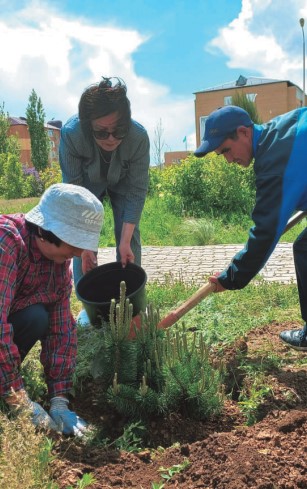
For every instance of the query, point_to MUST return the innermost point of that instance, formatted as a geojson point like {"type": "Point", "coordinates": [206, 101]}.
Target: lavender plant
{"type": "Point", "coordinates": [33, 185]}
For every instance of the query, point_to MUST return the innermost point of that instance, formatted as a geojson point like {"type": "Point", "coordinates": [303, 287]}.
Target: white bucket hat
{"type": "Point", "coordinates": [70, 212]}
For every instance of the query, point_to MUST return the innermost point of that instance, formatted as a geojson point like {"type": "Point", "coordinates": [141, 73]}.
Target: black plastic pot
{"type": "Point", "coordinates": [98, 287]}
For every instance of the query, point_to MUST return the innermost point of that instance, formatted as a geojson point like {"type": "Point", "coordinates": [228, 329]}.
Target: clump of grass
{"type": "Point", "coordinates": [33, 374]}
{"type": "Point", "coordinates": [200, 231]}
{"type": "Point", "coordinates": [25, 455]}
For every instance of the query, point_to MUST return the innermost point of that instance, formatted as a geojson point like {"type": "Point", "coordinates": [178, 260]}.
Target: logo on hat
{"type": "Point", "coordinates": [213, 131]}
{"type": "Point", "coordinates": [91, 217]}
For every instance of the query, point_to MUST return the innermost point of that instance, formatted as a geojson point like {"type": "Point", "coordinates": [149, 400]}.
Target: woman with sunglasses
{"type": "Point", "coordinates": [107, 152]}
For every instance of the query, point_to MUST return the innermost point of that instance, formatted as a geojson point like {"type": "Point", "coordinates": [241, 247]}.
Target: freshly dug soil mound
{"type": "Point", "coordinates": [223, 453]}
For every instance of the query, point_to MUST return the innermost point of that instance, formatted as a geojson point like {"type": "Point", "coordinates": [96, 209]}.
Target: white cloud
{"type": "Point", "coordinates": [265, 37]}
{"type": "Point", "coordinates": [59, 56]}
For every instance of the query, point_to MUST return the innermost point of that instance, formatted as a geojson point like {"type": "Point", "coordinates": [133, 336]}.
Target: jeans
{"type": "Point", "coordinates": [300, 262]}
{"type": "Point", "coordinates": [30, 325]}
{"type": "Point", "coordinates": [118, 207]}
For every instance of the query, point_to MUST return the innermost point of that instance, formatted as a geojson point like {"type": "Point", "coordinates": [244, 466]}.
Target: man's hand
{"type": "Point", "coordinates": [67, 421]}
{"type": "Point", "coordinates": [214, 280]}
{"type": "Point", "coordinates": [20, 402]}
{"type": "Point", "coordinates": [89, 261]}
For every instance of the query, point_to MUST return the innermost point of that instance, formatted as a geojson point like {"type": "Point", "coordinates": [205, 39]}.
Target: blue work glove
{"type": "Point", "coordinates": [67, 421]}
{"type": "Point", "coordinates": [20, 402]}
{"type": "Point", "coordinates": [41, 418]}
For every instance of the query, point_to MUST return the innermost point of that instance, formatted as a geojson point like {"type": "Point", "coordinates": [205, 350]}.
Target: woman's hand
{"type": "Point", "coordinates": [89, 261]}
{"type": "Point", "coordinates": [126, 254]}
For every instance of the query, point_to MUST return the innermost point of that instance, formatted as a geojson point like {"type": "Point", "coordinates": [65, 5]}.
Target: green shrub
{"type": "Point", "coordinates": [16, 180]}
{"type": "Point", "coordinates": [202, 186]}
{"type": "Point", "coordinates": [52, 174]}
{"type": "Point", "coordinates": [12, 178]}
{"type": "Point", "coordinates": [154, 179]}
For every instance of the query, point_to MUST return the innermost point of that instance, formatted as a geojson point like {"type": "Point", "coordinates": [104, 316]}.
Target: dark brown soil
{"type": "Point", "coordinates": [223, 453]}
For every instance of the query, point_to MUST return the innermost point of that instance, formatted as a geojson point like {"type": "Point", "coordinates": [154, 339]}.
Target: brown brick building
{"type": "Point", "coordinates": [19, 128]}
{"type": "Point", "coordinates": [272, 98]}
{"type": "Point", "coordinates": [175, 157]}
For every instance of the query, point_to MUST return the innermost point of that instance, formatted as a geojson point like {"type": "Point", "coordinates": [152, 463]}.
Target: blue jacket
{"type": "Point", "coordinates": [280, 165]}
{"type": "Point", "coordinates": [126, 174]}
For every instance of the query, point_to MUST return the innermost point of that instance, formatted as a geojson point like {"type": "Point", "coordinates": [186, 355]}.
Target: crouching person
{"type": "Point", "coordinates": [36, 283]}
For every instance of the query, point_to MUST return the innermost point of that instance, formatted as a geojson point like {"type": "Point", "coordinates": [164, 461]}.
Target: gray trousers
{"type": "Point", "coordinates": [118, 208]}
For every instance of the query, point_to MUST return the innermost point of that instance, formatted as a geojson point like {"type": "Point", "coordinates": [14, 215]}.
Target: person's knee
{"type": "Point", "coordinates": [31, 322]}
{"type": "Point", "coordinates": [30, 325]}
{"type": "Point", "coordinates": [39, 320]}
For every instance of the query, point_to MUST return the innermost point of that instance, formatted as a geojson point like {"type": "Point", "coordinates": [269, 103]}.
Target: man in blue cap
{"type": "Point", "coordinates": [279, 151]}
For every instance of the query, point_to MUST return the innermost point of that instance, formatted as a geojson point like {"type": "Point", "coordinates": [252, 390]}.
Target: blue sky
{"type": "Point", "coordinates": [165, 50]}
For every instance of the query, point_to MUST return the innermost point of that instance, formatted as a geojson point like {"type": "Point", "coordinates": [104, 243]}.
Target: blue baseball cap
{"type": "Point", "coordinates": [219, 125]}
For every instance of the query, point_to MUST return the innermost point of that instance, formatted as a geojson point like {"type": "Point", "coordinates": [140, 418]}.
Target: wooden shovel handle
{"type": "Point", "coordinates": [175, 315]}
{"type": "Point", "coordinates": [205, 290]}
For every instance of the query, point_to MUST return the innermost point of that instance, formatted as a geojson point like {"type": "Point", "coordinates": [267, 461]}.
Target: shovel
{"type": "Point", "coordinates": [206, 289]}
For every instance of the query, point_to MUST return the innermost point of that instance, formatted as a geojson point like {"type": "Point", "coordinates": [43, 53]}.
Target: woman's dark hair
{"type": "Point", "coordinates": [42, 233]}
{"type": "Point", "coordinates": [101, 99]}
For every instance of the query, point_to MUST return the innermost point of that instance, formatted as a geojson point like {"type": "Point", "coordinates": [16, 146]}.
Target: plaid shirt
{"type": "Point", "coordinates": [27, 278]}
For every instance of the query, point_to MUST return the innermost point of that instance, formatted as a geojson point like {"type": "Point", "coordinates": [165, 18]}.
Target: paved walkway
{"type": "Point", "coordinates": [193, 264]}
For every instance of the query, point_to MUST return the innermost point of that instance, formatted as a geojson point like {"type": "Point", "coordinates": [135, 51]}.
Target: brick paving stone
{"type": "Point", "coordinates": [193, 264]}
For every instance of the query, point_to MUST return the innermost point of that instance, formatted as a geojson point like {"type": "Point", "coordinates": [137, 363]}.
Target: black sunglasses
{"type": "Point", "coordinates": [119, 133]}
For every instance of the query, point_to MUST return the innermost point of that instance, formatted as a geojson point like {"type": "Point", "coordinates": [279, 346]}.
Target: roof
{"type": "Point", "coordinates": [18, 121]}
{"type": "Point", "coordinates": [243, 81]}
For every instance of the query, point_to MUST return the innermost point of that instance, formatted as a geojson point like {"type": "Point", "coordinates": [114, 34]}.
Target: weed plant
{"type": "Point", "coordinates": [253, 394]}
{"type": "Point", "coordinates": [169, 472]}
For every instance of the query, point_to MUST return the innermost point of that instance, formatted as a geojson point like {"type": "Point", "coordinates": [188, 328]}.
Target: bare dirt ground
{"type": "Point", "coordinates": [222, 453]}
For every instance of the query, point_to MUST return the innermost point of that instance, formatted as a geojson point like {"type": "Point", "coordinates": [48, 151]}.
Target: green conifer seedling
{"type": "Point", "coordinates": [158, 371]}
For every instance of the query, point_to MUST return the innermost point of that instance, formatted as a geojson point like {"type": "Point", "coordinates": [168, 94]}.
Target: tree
{"type": "Point", "coordinates": [241, 100]}
{"type": "Point", "coordinates": [39, 139]}
{"type": "Point", "coordinates": [4, 127]}
{"type": "Point", "coordinates": [9, 145]}
{"type": "Point", "coordinates": [159, 145]}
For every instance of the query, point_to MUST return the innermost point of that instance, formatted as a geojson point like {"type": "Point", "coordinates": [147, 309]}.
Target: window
{"type": "Point", "coordinates": [251, 97]}
{"type": "Point", "coordinates": [299, 96]}
{"type": "Point", "coordinates": [202, 123]}
{"type": "Point", "coordinates": [228, 100]}
{"type": "Point", "coordinates": [50, 132]}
